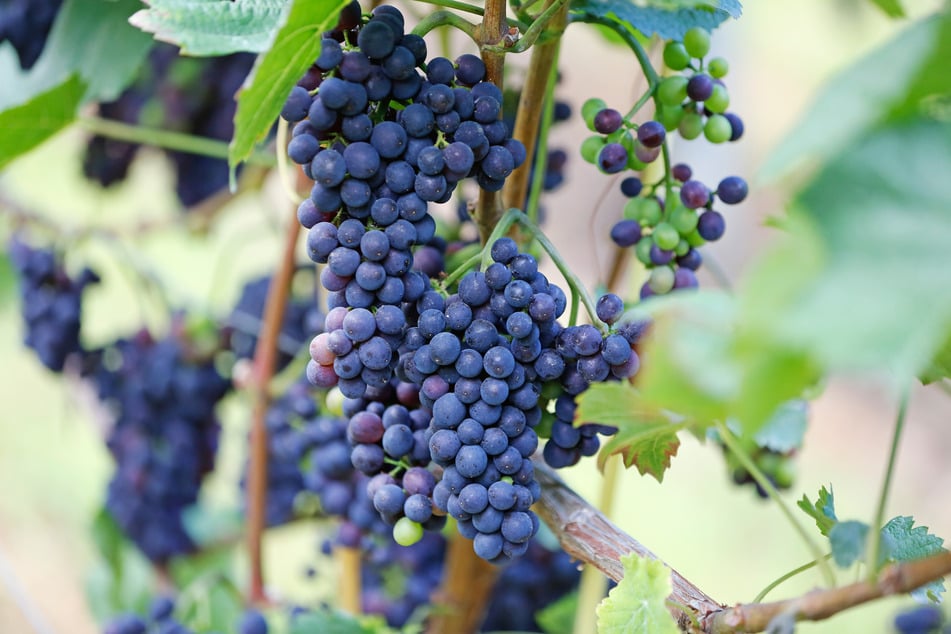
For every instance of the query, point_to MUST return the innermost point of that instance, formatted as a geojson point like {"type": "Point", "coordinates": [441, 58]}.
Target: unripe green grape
{"type": "Point", "coordinates": [694, 239]}
{"type": "Point", "coordinates": [670, 116]}
{"type": "Point", "coordinates": [785, 473]}
{"type": "Point", "coordinates": [718, 67]}
{"type": "Point", "coordinates": [719, 99]}
{"type": "Point", "coordinates": [642, 251]}
{"type": "Point", "coordinates": [634, 163]}
{"type": "Point", "coordinates": [665, 236]}
{"type": "Point", "coordinates": [632, 209]}
{"type": "Point", "coordinates": [406, 532]}
{"type": "Point", "coordinates": [591, 147]}
{"type": "Point", "coordinates": [626, 139]}
{"type": "Point", "coordinates": [697, 42]}
{"type": "Point", "coordinates": [651, 212]}
{"type": "Point", "coordinates": [676, 56]}
{"type": "Point", "coordinates": [692, 126]}
{"type": "Point", "coordinates": [333, 403]}
{"type": "Point", "coordinates": [661, 280]}
{"type": "Point", "coordinates": [683, 220]}
{"type": "Point", "coordinates": [717, 129]}
{"type": "Point", "coordinates": [682, 247]}
{"type": "Point", "coordinates": [591, 108]}
{"type": "Point", "coordinates": [672, 90]}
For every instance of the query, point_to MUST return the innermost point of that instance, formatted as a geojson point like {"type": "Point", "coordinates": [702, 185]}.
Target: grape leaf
{"type": "Point", "coordinates": [848, 542]}
{"type": "Point", "coordinates": [649, 446]}
{"type": "Point", "coordinates": [892, 8]}
{"type": "Point", "coordinates": [637, 605]}
{"type": "Point", "coordinates": [294, 50]}
{"type": "Point", "coordinates": [28, 125]}
{"type": "Point", "coordinates": [212, 27]}
{"type": "Point", "coordinates": [855, 99]}
{"type": "Point", "coordinates": [210, 603]}
{"type": "Point", "coordinates": [940, 367]}
{"type": "Point", "coordinates": [906, 542]}
{"type": "Point", "coordinates": [822, 511]}
{"type": "Point", "coordinates": [785, 429]}
{"type": "Point", "coordinates": [668, 23]}
{"type": "Point", "coordinates": [558, 617]}
{"type": "Point", "coordinates": [8, 280]}
{"type": "Point", "coordinates": [613, 403]}
{"type": "Point", "coordinates": [326, 622]}
{"type": "Point", "coordinates": [931, 83]}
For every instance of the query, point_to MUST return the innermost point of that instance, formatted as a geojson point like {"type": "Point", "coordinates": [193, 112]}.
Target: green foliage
{"type": "Point", "coordinates": [822, 511]}
{"type": "Point", "coordinates": [667, 19]}
{"type": "Point", "coordinates": [327, 622]}
{"type": "Point", "coordinates": [211, 603]}
{"type": "Point", "coordinates": [8, 284]}
{"type": "Point", "coordinates": [213, 27]}
{"type": "Point", "coordinates": [904, 542]}
{"type": "Point", "coordinates": [26, 126]}
{"type": "Point", "coordinates": [892, 8]}
{"type": "Point", "coordinates": [785, 429]}
{"type": "Point", "coordinates": [856, 99]}
{"type": "Point", "coordinates": [848, 542]}
{"type": "Point", "coordinates": [121, 580]}
{"type": "Point", "coordinates": [637, 605]}
{"type": "Point", "coordinates": [558, 617]}
{"type": "Point", "coordinates": [294, 50]}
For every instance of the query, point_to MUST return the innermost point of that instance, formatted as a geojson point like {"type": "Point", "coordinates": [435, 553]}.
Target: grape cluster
{"type": "Point", "coordinates": [159, 620]}
{"type": "Point", "coordinates": [589, 357]}
{"type": "Point", "coordinates": [666, 232]}
{"type": "Point", "coordinates": [778, 466]}
{"type": "Point", "coordinates": [480, 358]}
{"type": "Point", "coordinates": [26, 25]}
{"type": "Point", "coordinates": [921, 619]}
{"type": "Point", "coordinates": [50, 303]}
{"type": "Point", "coordinates": [163, 396]}
{"type": "Point", "coordinates": [194, 96]}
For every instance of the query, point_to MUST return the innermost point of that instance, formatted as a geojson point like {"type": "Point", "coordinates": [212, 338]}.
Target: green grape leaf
{"type": "Point", "coordinates": [822, 511]}
{"type": "Point", "coordinates": [940, 367]}
{"type": "Point", "coordinates": [649, 446]}
{"type": "Point", "coordinates": [906, 542]}
{"type": "Point", "coordinates": [108, 539]}
{"type": "Point", "coordinates": [668, 23]}
{"type": "Point", "coordinates": [212, 27]}
{"type": "Point", "coordinates": [8, 280]}
{"type": "Point", "coordinates": [848, 542]}
{"type": "Point", "coordinates": [637, 605]}
{"type": "Point", "coordinates": [326, 622]}
{"type": "Point", "coordinates": [785, 429]}
{"type": "Point", "coordinates": [929, 91]}
{"type": "Point", "coordinates": [615, 403]}
{"type": "Point", "coordinates": [856, 99]}
{"type": "Point", "coordinates": [26, 126]}
{"type": "Point", "coordinates": [558, 617]}
{"type": "Point", "coordinates": [210, 603]}
{"type": "Point", "coordinates": [294, 50]}
{"type": "Point", "coordinates": [892, 8]}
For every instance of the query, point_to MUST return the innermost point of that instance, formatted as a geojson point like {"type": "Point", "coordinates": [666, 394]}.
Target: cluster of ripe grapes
{"type": "Point", "coordinates": [26, 25]}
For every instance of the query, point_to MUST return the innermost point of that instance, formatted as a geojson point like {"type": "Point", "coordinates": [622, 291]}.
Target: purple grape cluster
{"type": "Point", "coordinates": [164, 438]}
{"type": "Point", "coordinates": [921, 619]}
{"type": "Point", "coordinates": [50, 303]}
{"type": "Point", "coordinates": [26, 25]}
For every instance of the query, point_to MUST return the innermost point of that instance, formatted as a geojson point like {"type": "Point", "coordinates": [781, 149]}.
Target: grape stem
{"type": "Point", "coordinates": [265, 362]}
{"type": "Point", "coordinates": [875, 545]}
{"type": "Point", "coordinates": [446, 18]}
{"type": "Point", "coordinates": [728, 439]}
{"type": "Point", "coordinates": [167, 139]}
{"type": "Point", "coordinates": [538, 27]}
{"type": "Point", "coordinates": [541, 152]}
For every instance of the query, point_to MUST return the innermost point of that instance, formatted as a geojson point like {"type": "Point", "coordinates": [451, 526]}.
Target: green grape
{"type": "Point", "coordinates": [675, 56]}
{"type": "Point", "coordinates": [682, 247]}
{"type": "Point", "coordinates": [692, 126]}
{"type": "Point", "coordinates": [672, 90]}
{"type": "Point", "coordinates": [697, 42]}
{"type": "Point", "coordinates": [632, 209]}
{"type": "Point", "coordinates": [666, 236]}
{"type": "Point", "coordinates": [634, 163]}
{"type": "Point", "coordinates": [670, 116]}
{"type": "Point", "coordinates": [642, 251]}
{"type": "Point", "coordinates": [590, 108]}
{"type": "Point", "coordinates": [624, 137]}
{"type": "Point", "coordinates": [717, 129]}
{"type": "Point", "coordinates": [719, 100]}
{"type": "Point", "coordinates": [718, 67]}
{"type": "Point", "coordinates": [661, 280]}
{"type": "Point", "coordinates": [684, 220]}
{"type": "Point", "coordinates": [334, 402]}
{"type": "Point", "coordinates": [406, 532]}
{"type": "Point", "coordinates": [590, 148]}
{"type": "Point", "coordinates": [694, 239]}
{"type": "Point", "coordinates": [651, 212]}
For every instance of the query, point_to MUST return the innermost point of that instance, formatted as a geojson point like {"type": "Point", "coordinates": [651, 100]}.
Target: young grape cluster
{"type": "Point", "coordinates": [50, 303]}
{"type": "Point", "coordinates": [922, 619]}
{"type": "Point", "coordinates": [666, 222]}
{"type": "Point", "coordinates": [194, 96]}
{"type": "Point", "coordinates": [165, 436]}
{"type": "Point", "coordinates": [26, 25]}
